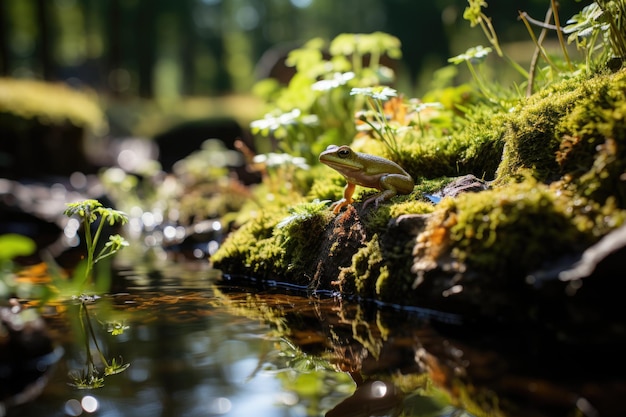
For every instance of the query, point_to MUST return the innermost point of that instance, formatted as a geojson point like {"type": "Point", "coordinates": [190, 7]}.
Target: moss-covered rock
{"type": "Point", "coordinates": [558, 163]}
{"type": "Point", "coordinates": [43, 127]}
{"type": "Point", "coordinates": [49, 103]}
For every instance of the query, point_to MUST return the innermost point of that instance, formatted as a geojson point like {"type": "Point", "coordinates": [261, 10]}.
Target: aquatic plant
{"type": "Point", "coordinates": [91, 212]}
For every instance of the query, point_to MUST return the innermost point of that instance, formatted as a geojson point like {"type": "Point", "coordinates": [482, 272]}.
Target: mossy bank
{"type": "Point", "coordinates": [556, 166]}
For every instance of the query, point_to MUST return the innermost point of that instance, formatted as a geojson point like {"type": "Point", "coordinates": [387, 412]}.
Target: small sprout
{"type": "Point", "coordinates": [86, 298]}
{"type": "Point", "coordinates": [474, 13]}
{"type": "Point", "coordinates": [376, 95]}
{"type": "Point", "coordinates": [89, 211]}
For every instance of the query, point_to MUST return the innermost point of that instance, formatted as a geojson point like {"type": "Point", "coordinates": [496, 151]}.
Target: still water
{"type": "Point", "coordinates": [200, 344]}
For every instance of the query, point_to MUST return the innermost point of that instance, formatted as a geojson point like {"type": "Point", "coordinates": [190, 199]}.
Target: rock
{"type": "Point", "coordinates": [602, 259]}
{"type": "Point", "coordinates": [465, 184]}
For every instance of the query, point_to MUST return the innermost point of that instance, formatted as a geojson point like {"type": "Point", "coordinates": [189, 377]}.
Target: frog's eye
{"type": "Point", "coordinates": [343, 153]}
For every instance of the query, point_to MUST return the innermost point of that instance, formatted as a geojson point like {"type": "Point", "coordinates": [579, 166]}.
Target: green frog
{"type": "Point", "coordinates": [367, 171]}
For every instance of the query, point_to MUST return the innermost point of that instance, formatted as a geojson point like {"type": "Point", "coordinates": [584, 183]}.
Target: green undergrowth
{"type": "Point", "coordinates": [276, 242]}
{"type": "Point", "coordinates": [558, 159]}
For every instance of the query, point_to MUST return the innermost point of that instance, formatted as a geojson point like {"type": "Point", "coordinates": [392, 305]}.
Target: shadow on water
{"type": "Point", "coordinates": [200, 344]}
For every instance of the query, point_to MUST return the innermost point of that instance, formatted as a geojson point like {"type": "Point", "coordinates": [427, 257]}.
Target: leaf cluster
{"type": "Point", "coordinates": [316, 109]}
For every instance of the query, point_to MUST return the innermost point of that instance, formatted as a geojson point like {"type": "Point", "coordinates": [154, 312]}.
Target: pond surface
{"type": "Point", "coordinates": [199, 344]}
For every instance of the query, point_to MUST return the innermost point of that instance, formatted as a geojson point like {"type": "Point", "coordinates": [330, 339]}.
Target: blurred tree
{"type": "Point", "coordinates": [191, 47]}
{"type": "Point", "coordinates": [4, 44]}
{"type": "Point", "coordinates": [45, 39]}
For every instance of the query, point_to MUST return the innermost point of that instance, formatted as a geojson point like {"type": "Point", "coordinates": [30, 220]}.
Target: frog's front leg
{"type": "Point", "coordinates": [346, 200]}
{"type": "Point", "coordinates": [389, 186]}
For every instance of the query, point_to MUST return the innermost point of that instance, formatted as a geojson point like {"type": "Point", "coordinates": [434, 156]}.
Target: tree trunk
{"type": "Point", "coordinates": [45, 40]}
{"type": "Point", "coordinates": [5, 59]}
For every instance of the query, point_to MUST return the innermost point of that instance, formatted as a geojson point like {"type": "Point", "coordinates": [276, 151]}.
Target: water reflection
{"type": "Point", "coordinates": [199, 345]}
{"type": "Point", "coordinates": [188, 357]}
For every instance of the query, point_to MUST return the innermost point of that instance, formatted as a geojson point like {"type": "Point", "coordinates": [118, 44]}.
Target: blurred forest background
{"type": "Point", "coordinates": [166, 48]}
{"type": "Point", "coordinates": [182, 71]}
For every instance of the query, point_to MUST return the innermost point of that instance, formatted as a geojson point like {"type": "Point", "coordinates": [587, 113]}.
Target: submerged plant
{"type": "Point", "coordinates": [89, 213]}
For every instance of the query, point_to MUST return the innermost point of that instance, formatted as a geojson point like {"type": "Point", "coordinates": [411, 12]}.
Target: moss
{"type": "Point", "coordinates": [366, 267]}
{"type": "Point", "coordinates": [593, 147]}
{"type": "Point", "coordinates": [275, 242]}
{"type": "Point", "coordinates": [295, 232]}
{"type": "Point", "coordinates": [558, 158]}
{"type": "Point", "coordinates": [531, 139]}
{"type": "Point", "coordinates": [49, 103]}
{"type": "Point", "coordinates": [506, 232]}
{"type": "Point", "coordinates": [473, 147]}
{"type": "Point", "coordinates": [253, 247]}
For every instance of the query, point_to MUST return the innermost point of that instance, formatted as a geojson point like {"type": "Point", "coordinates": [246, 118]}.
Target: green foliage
{"type": "Point", "coordinates": [530, 141]}
{"type": "Point", "coordinates": [12, 246]}
{"type": "Point", "coordinates": [614, 14]}
{"type": "Point", "coordinates": [375, 96]}
{"type": "Point", "coordinates": [316, 108]}
{"type": "Point", "coordinates": [49, 104]}
{"type": "Point", "coordinates": [90, 212]}
{"type": "Point", "coordinates": [587, 30]}
{"type": "Point", "coordinates": [476, 16]}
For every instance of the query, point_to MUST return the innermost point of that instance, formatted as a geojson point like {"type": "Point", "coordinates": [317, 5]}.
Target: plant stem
{"type": "Point", "coordinates": [90, 248]}
{"type": "Point", "coordinates": [534, 38]}
{"type": "Point", "coordinates": [533, 62]}
{"type": "Point", "coordinates": [559, 33]}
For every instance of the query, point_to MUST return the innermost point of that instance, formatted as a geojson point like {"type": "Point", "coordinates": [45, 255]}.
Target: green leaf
{"type": "Point", "coordinates": [13, 245]}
